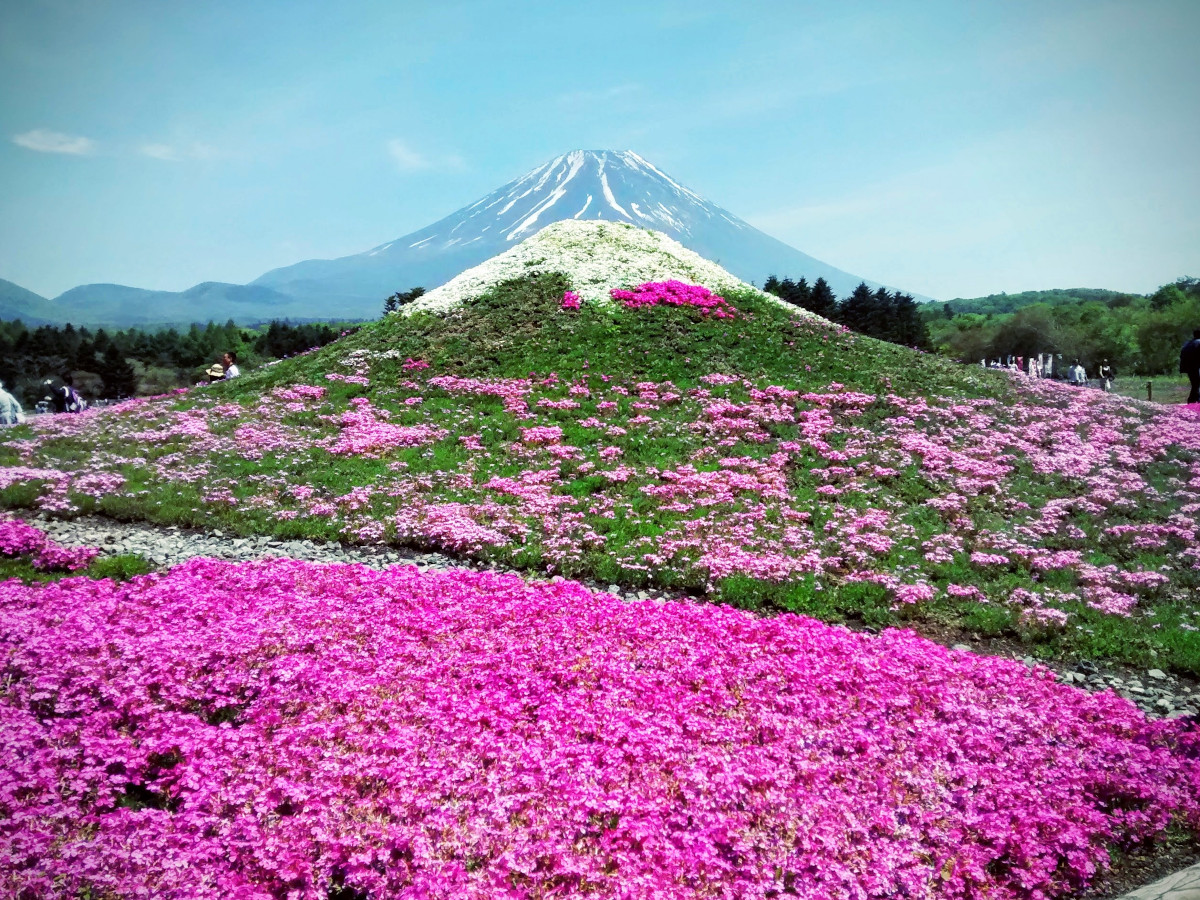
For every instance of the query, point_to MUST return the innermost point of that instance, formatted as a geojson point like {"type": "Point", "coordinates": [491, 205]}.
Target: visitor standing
{"type": "Point", "coordinates": [66, 398]}
{"type": "Point", "coordinates": [1077, 374]}
{"type": "Point", "coordinates": [1106, 376]}
{"type": "Point", "coordinates": [229, 364]}
{"type": "Point", "coordinates": [1189, 365]}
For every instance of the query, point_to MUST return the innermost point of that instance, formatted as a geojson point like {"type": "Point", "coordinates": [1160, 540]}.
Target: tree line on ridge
{"type": "Point", "coordinates": [887, 315]}
{"type": "Point", "coordinates": [1138, 335]}
{"type": "Point", "coordinates": [131, 362]}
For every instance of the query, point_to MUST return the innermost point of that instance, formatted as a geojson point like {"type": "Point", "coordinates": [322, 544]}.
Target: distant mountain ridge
{"type": "Point", "coordinates": [999, 304]}
{"type": "Point", "coordinates": [589, 185]}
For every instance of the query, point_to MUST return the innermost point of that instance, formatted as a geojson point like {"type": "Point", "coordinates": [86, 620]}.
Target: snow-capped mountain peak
{"type": "Point", "coordinates": [584, 184]}
{"type": "Point", "coordinates": [588, 185]}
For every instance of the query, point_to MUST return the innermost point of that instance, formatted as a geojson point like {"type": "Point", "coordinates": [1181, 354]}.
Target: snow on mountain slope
{"type": "Point", "coordinates": [597, 257]}
{"type": "Point", "coordinates": [585, 185]}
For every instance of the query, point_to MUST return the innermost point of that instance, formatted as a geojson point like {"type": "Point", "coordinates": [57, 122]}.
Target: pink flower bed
{"type": "Point", "coordinates": [365, 432]}
{"type": "Point", "coordinates": [19, 539]}
{"type": "Point", "coordinates": [674, 293]}
{"type": "Point", "coordinates": [268, 730]}
{"type": "Point", "coordinates": [1098, 494]}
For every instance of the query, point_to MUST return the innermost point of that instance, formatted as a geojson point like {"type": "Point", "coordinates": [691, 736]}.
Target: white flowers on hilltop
{"type": "Point", "coordinates": [596, 256]}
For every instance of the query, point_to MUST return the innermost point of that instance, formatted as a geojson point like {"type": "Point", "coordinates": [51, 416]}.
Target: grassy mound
{"type": "Point", "coordinates": [519, 327]}
{"type": "Point", "coordinates": [771, 461]}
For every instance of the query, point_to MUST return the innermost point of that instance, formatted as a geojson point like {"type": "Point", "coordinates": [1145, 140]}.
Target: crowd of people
{"type": "Point", "coordinates": [1050, 365]}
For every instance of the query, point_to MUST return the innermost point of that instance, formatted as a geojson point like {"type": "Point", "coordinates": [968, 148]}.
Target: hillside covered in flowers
{"type": "Point", "coordinates": [478, 735]}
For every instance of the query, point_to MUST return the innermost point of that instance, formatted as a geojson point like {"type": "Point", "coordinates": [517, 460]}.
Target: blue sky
{"type": "Point", "coordinates": [954, 148]}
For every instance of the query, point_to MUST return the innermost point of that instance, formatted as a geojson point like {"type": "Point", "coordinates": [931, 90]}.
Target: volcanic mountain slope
{"type": "Point", "coordinates": [602, 185]}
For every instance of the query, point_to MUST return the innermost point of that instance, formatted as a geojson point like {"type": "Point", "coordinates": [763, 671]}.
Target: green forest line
{"type": "Point", "coordinates": [112, 365]}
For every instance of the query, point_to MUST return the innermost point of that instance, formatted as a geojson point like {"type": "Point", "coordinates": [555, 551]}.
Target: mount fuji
{"type": "Point", "coordinates": [591, 185]}
{"type": "Point", "coordinates": [585, 185]}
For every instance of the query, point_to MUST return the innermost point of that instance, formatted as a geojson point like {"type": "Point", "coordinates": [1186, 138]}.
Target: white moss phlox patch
{"type": "Point", "coordinates": [597, 257]}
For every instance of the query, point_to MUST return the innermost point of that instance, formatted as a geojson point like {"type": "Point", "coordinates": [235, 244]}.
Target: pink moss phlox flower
{"type": "Point", "coordinates": [20, 539]}
{"type": "Point", "coordinates": [270, 729]}
{"type": "Point", "coordinates": [675, 293]}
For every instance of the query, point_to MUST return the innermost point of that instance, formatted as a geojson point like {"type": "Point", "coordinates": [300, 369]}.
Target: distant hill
{"type": "Point", "coordinates": [17, 302]}
{"type": "Point", "coordinates": [118, 305]}
{"type": "Point", "coordinates": [1008, 303]}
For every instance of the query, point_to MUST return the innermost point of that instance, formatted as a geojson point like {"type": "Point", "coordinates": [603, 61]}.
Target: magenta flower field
{"type": "Point", "coordinates": [277, 728]}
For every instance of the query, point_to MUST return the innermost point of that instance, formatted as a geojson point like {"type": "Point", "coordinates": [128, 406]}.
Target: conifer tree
{"type": "Point", "coordinates": [822, 300]}
{"type": "Point", "coordinates": [117, 374]}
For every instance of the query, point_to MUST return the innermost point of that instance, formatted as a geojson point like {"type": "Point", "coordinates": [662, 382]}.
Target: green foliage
{"type": "Point", "coordinates": [1002, 303]}
{"type": "Point", "coordinates": [130, 362]}
{"type": "Point", "coordinates": [120, 568]}
{"type": "Point", "coordinates": [1138, 335]}
{"type": "Point", "coordinates": [402, 298]}
{"type": "Point", "coordinates": [893, 317]}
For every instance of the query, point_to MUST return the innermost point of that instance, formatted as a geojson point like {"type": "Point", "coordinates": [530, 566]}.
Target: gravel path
{"type": "Point", "coordinates": [1183, 885]}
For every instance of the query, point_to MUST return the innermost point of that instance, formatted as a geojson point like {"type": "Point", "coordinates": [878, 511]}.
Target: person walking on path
{"type": "Point", "coordinates": [1189, 365]}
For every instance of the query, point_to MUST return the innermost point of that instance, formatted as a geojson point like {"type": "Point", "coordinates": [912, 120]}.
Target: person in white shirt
{"type": "Point", "coordinates": [229, 364]}
{"type": "Point", "coordinates": [10, 409]}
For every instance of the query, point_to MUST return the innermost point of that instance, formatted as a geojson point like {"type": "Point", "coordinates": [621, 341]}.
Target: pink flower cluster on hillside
{"type": "Point", "coordinates": [19, 539]}
{"type": "Point", "coordinates": [366, 432]}
{"type": "Point", "coordinates": [274, 728]}
{"type": "Point", "coordinates": [570, 300]}
{"type": "Point", "coordinates": [675, 293]}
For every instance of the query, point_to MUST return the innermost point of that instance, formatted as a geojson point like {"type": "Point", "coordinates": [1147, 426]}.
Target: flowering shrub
{"type": "Point", "coordinates": [570, 300]}
{"type": "Point", "coordinates": [674, 293]}
{"type": "Point", "coordinates": [277, 728]}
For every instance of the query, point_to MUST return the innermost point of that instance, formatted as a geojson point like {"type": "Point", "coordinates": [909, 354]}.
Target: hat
{"type": "Point", "coordinates": [216, 370]}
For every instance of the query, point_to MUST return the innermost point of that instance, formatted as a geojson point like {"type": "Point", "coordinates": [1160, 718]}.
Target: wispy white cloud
{"type": "Point", "coordinates": [405, 157]}
{"type": "Point", "coordinates": [178, 153]}
{"type": "Point", "coordinates": [43, 140]}
{"type": "Point", "coordinates": [160, 151]}
{"type": "Point", "coordinates": [409, 160]}
{"type": "Point", "coordinates": [601, 95]}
